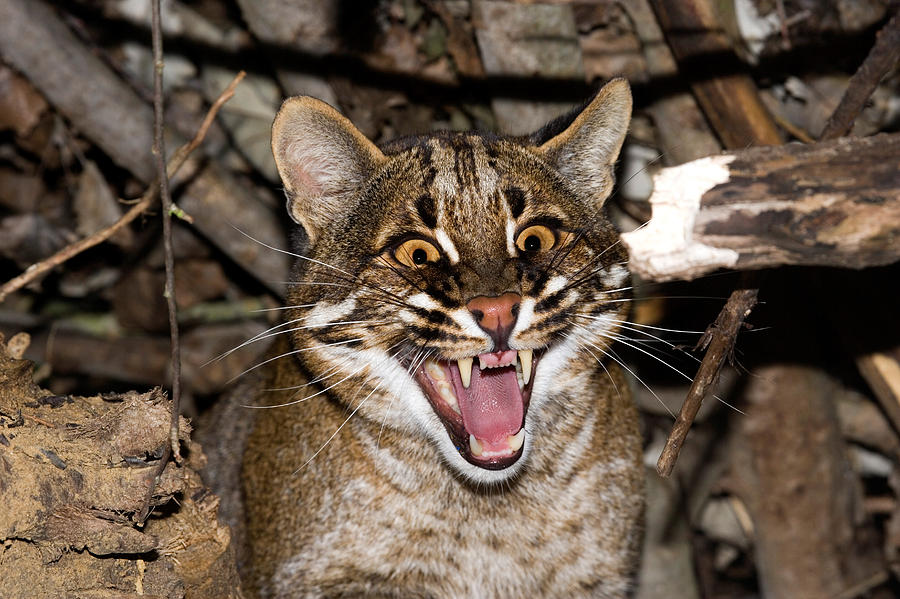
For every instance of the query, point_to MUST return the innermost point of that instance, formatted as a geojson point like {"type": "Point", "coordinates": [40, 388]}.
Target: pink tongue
{"type": "Point", "coordinates": [492, 406]}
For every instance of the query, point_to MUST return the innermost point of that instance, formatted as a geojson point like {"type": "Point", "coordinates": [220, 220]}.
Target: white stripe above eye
{"type": "Point", "coordinates": [447, 245]}
{"type": "Point", "coordinates": [510, 240]}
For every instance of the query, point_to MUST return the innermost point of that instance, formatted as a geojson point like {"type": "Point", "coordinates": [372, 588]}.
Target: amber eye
{"type": "Point", "coordinates": [416, 252]}
{"type": "Point", "coordinates": [536, 238]}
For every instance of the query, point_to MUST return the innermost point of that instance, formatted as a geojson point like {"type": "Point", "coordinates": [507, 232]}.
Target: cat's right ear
{"type": "Point", "coordinates": [323, 161]}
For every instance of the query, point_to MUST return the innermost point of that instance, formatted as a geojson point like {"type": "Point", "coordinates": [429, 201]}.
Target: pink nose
{"type": "Point", "coordinates": [496, 315]}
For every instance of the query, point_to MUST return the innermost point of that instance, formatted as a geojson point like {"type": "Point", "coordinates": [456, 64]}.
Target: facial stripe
{"type": "Point", "coordinates": [515, 197]}
{"type": "Point", "coordinates": [510, 238]}
{"type": "Point", "coordinates": [447, 245]}
{"type": "Point", "coordinates": [427, 210]}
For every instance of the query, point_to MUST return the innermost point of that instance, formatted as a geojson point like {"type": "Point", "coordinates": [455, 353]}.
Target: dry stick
{"type": "Point", "coordinates": [159, 152]}
{"type": "Point", "coordinates": [175, 163]}
{"type": "Point", "coordinates": [732, 104]}
{"type": "Point", "coordinates": [719, 338]}
{"type": "Point", "coordinates": [881, 59]}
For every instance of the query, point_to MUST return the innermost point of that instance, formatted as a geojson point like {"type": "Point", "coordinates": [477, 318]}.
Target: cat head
{"type": "Point", "coordinates": [453, 283]}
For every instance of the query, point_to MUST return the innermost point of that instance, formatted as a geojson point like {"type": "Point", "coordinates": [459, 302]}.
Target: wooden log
{"type": "Point", "coordinates": [723, 88]}
{"type": "Point", "coordinates": [109, 113]}
{"type": "Point", "coordinates": [828, 204]}
{"type": "Point", "coordinates": [80, 85]}
{"type": "Point", "coordinates": [790, 468]}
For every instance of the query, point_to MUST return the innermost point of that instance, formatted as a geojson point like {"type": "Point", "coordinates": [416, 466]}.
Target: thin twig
{"type": "Point", "coordinates": [735, 110]}
{"type": "Point", "coordinates": [881, 59]}
{"type": "Point", "coordinates": [174, 164]}
{"type": "Point", "coordinates": [782, 19]}
{"type": "Point", "coordinates": [719, 338]}
{"type": "Point", "coordinates": [178, 159]}
{"type": "Point", "coordinates": [159, 152]}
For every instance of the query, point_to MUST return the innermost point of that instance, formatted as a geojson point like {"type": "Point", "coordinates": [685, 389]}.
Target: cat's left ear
{"type": "Point", "coordinates": [585, 152]}
{"type": "Point", "coordinates": [323, 161]}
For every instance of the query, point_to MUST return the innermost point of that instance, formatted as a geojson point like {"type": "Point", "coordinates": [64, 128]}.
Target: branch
{"type": "Point", "coordinates": [175, 163]}
{"type": "Point", "coordinates": [720, 338]}
{"type": "Point", "coordinates": [881, 59]}
{"type": "Point", "coordinates": [834, 203]}
{"type": "Point", "coordinates": [159, 153]}
{"type": "Point", "coordinates": [735, 111]}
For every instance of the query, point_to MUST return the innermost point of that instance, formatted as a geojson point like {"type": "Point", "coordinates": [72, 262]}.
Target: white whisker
{"type": "Point", "coordinates": [612, 355]}
{"type": "Point", "coordinates": [291, 353]}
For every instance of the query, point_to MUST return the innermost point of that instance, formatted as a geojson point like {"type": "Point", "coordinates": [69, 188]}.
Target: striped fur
{"type": "Point", "coordinates": [355, 486]}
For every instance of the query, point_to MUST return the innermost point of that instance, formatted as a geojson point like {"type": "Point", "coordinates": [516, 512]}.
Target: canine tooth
{"type": "Point", "coordinates": [475, 446]}
{"type": "Point", "coordinates": [516, 441]}
{"type": "Point", "coordinates": [465, 371]}
{"type": "Point", "coordinates": [525, 358]}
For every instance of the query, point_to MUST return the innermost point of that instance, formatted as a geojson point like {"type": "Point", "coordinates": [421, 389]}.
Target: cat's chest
{"type": "Point", "coordinates": [402, 524]}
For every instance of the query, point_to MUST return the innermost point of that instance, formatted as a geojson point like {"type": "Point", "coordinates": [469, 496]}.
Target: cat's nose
{"type": "Point", "coordinates": [496, 315]}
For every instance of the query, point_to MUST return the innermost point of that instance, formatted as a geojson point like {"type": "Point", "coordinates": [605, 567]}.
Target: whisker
{"type": "Point", "coordinates": [599, 361]}
{"type": "Point", "coordinates": [625, 341]}
{"type": "Point", "coordinates": [320, 392]}
{"type": "Point", "coordinates": [290, 353]}
{"type": "Point", "coordinates": [252, 339]}
{"type": "Point", "coordinates": [648, 326]}
{"type": "Point", "coordinates": [624, 324]}
{"type": "Point", "coordinates": [301, 256]}
{"type": "Point", "coordinates": [612, 355]}
{"type": "Point", "coordinates": [278, 308]}
{"type": "Point", "coordinates": [414, 364]}
{"type": "Point", "coordinates": [335, 433]}
{"type": "Point", "coordinates": [346, 420]}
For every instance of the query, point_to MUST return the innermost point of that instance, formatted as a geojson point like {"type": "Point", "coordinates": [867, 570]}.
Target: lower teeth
{"type": "Point", "coordinates": [475, 446]}
{"type": "Point", "coordinates": [514, 442]}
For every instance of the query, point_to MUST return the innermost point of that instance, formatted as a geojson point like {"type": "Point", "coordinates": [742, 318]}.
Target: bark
{"type": "Point", "coordinates": [725, 92]}
{"type": "Point", "coordinates": [828, 204]}
{"type": "Point", "coordinates": [790, 468]}
{"type": "Point", "coordinates": [74, 472]}
{"type": "Point", "coordinates": [109, 113]}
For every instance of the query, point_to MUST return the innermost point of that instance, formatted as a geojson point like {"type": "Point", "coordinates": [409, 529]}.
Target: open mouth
{"type": "Point", "coordinates": [482, 402]}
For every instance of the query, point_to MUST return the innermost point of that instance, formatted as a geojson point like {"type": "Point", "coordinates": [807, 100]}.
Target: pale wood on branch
{"type": "Point", "coordinates": [835, 203]}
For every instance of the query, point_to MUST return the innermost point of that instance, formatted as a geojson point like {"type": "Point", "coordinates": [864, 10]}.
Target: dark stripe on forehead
{"type": "Point", "coordinates": [516, 199]}
{"type": "Point", "coordinates": [429, 172]}
{"type": "Point", "coordinates": [427, 210]}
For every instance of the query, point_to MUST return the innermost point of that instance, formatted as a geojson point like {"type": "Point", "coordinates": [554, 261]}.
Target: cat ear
{"type": "Point", "coordinates": [585, 151]}
{"type": "Point", "coordinates": [323, 161]}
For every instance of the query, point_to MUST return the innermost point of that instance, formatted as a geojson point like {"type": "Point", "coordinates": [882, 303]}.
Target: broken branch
{"type": "Point", "coordinates": [719, 338]}
{"type": "Point", "coordinates": [774, 206]}
{"type": "Point", "coordinates": [881, 59]}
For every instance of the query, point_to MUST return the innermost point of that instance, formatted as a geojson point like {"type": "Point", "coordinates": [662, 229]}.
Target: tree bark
{"type": "Point", "coordinates": [828, 204]}
{"type": "Point", "coordinates": [790, 468]}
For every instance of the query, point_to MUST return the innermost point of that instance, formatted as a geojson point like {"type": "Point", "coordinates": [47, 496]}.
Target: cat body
{"type": "Point", "coordinates": [443, 422]}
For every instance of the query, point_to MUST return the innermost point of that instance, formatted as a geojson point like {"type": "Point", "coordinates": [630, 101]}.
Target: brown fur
{"type": "Point", "coordinates": [359, 489]}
